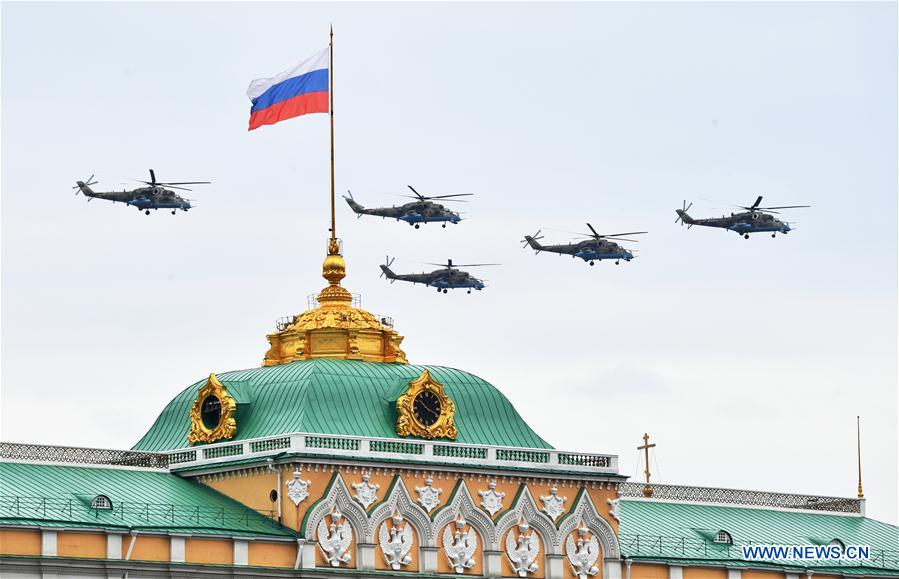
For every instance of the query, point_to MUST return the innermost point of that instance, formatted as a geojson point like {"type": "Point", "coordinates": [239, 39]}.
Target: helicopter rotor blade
{"type": "Point", "coordinates": [620, 234]}
{"type": "Point", "coordinates": [449, 196]}
{"type": "Point", "coordinates": [153, 177]}
{"type": "Point", "coordinates": [185, 183]}
{"type": "Point", "coordinates": [593, 230]}
{"type": "Point", "coordinates": [783, 207]}
{"type": "Point", "coordinates": [417, 194]}
{"type": "Point", "coordinates": [757, 201]}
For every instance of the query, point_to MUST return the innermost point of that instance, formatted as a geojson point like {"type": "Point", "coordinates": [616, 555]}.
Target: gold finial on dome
{"type": "Point", "coordinates": [335, 329]}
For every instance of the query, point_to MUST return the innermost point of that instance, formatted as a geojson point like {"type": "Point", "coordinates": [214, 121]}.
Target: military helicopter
{"type": "Point", "coordinates": [155, 196]}
{"type": "Point", "coordinates": [754, 220]}
{"type": "Point", "coordinates": [446, 278]}
{"type": "Point", "coordinates": [595, 248]}
{"type": "Point", "coordinates": [422, 210]}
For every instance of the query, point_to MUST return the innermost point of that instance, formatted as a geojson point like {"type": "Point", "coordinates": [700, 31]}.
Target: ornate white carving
{"type": "Point", "coordinates": [396, 542]}
{"type": "Point", "coordinates": [335, 538]}
{"type": "Point", "coordinates": [492, 500]}
{"type": "Point", "coordinates": [460, 545]}
{"type": "Point", "coordinates": [297, 489]}
{"type": "Point", "coordinates": [583, 555]}
{"type": "Point", "coordinates": [523, 550]}
{"type": "Point", "coordinates": [615, 508]}
{"type": "Point", "coordinates": [366, 493]}
{"type": "Point", "coordinates": [553, 505]}
{"type": "Point", "coordinates": [428, 495]}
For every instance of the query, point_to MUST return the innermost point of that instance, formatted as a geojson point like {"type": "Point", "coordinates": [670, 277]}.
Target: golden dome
{"type": "Point", "coordinates": [334, 329]}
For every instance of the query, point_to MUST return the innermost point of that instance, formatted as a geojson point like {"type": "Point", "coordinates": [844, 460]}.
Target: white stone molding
{"type": "Point", "coordinates": [176, 549]}
{"type": "Point", "coordinates": [396, 541]}
{"type": "Point", "coordinates": [523, 548]}
{"type": "Point", "coordinates": [113, 545]}
{"type": "Point", "coordinates": [583, 554]}
{"type": "Point", "coordinates": [48, 543]}
{"type": "Point", "coordinates": [429, 495]}
{"type": "Point", "coordinates": [366, 493]}
{"type": "Point", "coordinates": [585, 511]}
{"type": "Point", "coordinates": [335, 538]}
{"type": "Point", "coordinates": [297, 489]}
{"type": "Point", "coordinates": [460, 544]}
{"type": "Point", "coordinates": [241, 554]}
{"type": "Point", "coordinates": [675, 572]}
{"type": "Point", "coordinates": [337, 495]}
{"type": "Point", "coordinates": [462, 503]}
{"type": "Point", "coordinates": [615, 508]}
{"type": "Point", "coordinates": [398, 499]}
{"type": "Point", "coordinates": [553, 504]}
{"type": "Point", "coordinates": [525, 508]}
{"type": "Point", "coordinates": [492, 500]}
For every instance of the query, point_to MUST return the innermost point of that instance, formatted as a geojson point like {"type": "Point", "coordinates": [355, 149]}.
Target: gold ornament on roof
{"type": "Point", "coordinates": [424, 410]}
{"type": "Point", "coordinates": [212, 416]}
{"type": "Point", "coordinates": [335, 329]}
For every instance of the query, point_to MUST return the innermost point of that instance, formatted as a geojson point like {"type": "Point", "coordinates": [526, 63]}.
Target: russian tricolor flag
{"type": "Point", "coordinates": [298, 91]}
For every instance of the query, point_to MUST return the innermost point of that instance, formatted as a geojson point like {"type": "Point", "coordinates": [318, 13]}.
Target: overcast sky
{"type": "Point", "coordinates": [746, 361]}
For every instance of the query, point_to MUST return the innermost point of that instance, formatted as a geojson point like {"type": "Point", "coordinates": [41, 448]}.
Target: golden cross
{"type": "Point", "coordinates": [646, 446]}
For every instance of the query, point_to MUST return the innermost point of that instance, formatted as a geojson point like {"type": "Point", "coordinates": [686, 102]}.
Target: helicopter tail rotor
{"type": "Point", "coordinates": [682, 216]}
{"type": "Point", "coordinates": [386, 271]}
{"type": "Point", "coordinates": [533, 241]}
{"type": "Point", "coordinates": [84, 187]}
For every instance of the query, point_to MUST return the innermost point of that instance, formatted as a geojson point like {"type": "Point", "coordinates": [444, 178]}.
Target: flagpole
{"type": "Point", "coordinates": [331, 109]}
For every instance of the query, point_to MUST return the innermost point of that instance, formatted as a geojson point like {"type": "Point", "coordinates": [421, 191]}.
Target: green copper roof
{"type": "Point", "coordinates": [61, 496]}
{"type": "Point", "coordinates": [346, 397]}
{"type": "Point", "coordinates": [676, 531]}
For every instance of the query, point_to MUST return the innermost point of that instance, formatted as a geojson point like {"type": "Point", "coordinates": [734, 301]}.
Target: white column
{"type": "Point", "coordinates": [555, 566]}
{"type": "Point", "coordinates": [366, 555]}
{"type": "Point", "coordinates": [792, 576]}
{"type": "Point", "coordinates": [241, 552]}
{"type": "Point", "coordinates": [611, 569]}
{"type": "Point", "coordinates": [675, 572]}
{"type": "Point", "coordinates": [734, 574]}
{"type": "Point", "coordinates": [493, 563]}
{"type": "Point", "coordinates": [307, 559]}
{"type": "Point", "coordinates": [176, 548]}
{"type": "Point", "coordinates": [428, 561]}
{"type": "Point", "coordinates": [48, 543]}
{"type": "Point", "coordinates": [113, 545]}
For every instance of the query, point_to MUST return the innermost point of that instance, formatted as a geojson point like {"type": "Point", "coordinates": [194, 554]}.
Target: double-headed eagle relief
{"type": "Point", "coordinates": [396, 542]}
{"type": "Point", "coordinates": [460, 545]}
{"type": "Point", "coordinates": [582, 555]}
{"type": "Point", "coordinates": [523, 550]}
{"type": "Point", "coordinates": [335, 538]}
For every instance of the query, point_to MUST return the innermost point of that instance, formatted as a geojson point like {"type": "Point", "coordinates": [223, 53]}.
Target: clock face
{"type": "Point", "coordinates": [211, 412]}
{"type": "Point", "coordinates": [426, 408]}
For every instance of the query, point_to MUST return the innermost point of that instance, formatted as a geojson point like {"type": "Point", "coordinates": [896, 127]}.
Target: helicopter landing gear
{"type": "Point", "coordinates": [416, 226]}
{"type": "Point", "coordinates": [745, 236]}
{"type": "Point", "coordinates": [616, 262]}
{"type": "Point", "coordinates": [173, 211]}
{"type": "Point", "coordinates": [773, 235]}
{"type": "Point", "coordinates": [469, 291]}
{"type": "Point", "coordinates": [592, 264]}
{"type": "Point", "coordinates": [146, 211]}
{"type": "Point", "coordinates": [444, 225]}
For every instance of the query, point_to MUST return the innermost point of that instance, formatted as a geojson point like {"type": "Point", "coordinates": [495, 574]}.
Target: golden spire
{"type": "Point", "coordinates": [858, 439]}
{"type": "Point", "coordinates": [335, 329]}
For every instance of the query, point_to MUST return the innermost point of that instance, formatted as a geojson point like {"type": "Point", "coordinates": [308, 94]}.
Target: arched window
{"type": "Point", "coordinates": [723, 537]}
{"type": "Point", "coordinates": [101, 502]}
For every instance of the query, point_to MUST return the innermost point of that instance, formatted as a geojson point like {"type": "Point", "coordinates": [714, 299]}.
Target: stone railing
{"type": "Point", "coordinates": [397, 450]}
{"type": "Point", "coordinates": [743, 497]}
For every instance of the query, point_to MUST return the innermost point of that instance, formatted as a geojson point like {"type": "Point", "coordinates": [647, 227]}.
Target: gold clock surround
{"type": "Point", "coordinates": [408, 425]}
{"type": "Point", "coordinates": [227, 426]}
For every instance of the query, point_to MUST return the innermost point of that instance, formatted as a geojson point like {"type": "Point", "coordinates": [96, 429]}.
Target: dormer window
{"type": "Point", "coordinates": [837, 543]}
{"type": "Point", "coordinates": [723, 538]}
{"type": "Point", "coordinates": [101, 502]}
